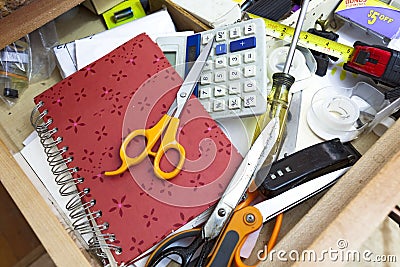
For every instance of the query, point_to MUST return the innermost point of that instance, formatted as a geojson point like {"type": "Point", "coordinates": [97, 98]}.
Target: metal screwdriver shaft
{"type": "Point", "coordinates": [283, 81]}
{"type": "Point", "coordinates": [296, 35]}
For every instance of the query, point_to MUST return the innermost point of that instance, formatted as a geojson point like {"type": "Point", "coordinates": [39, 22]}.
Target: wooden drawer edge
{"type": "Point", "coordinates": [354, 207]}
{"type": "Point", "coordinates": [44, 223]}
{"type": "Point", "coordinates": [363, 214]}
{"type": "Point", "coordinates": [30, 17]}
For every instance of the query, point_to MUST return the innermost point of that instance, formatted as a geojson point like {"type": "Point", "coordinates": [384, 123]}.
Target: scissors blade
{"type": "Point", "coordinates": [289, 143]}
{"type": "Point", "coordinates": [191, 79]}
{"type": "Point", "coordinates": [272, 207]}
{"type": "Point", "coordinates": [241, 180]}
{"type": "Point", "coordinates": [292, 126]}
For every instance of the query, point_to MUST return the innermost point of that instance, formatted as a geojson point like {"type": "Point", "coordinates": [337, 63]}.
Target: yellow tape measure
{"type": "Point", "coordinates": [308, 40]}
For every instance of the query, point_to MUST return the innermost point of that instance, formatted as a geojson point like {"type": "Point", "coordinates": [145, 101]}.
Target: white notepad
{"type": "Point", "coordinates": [73, 56]}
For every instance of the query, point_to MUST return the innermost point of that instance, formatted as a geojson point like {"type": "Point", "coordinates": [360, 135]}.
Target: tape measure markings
{"type": "Point", "coordinates": [308, 40]}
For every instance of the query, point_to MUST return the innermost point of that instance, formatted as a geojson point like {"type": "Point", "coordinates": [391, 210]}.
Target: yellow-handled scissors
{"type": "Point", "coordinates": [169, 122]}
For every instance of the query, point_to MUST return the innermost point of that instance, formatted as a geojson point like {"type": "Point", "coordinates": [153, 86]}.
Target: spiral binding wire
{"type": "Point", "coordinates": [81, 212]}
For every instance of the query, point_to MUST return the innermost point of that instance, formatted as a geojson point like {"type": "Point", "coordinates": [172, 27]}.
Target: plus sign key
{"type": "Point", "coordinates": [242, 44]}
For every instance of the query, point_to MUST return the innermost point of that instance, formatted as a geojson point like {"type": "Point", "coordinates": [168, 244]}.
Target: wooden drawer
{"type": "Point", "coordinates": [30, 17]}
{"type": "Point", "coordinates": [352, 210]}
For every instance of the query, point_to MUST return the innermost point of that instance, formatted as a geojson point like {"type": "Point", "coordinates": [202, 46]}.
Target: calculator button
{"type": "Point", "coordinates": [234, 60]}
{"type": "Point", "coordinates": [220, 62]}
{"type": "Point", "coordinates": [234, 74]}
{"type": "Point", "coordinates": [234, 33]}
{"type": "Point", "coordinates": [234, 103]}
{"type": "Point", "coordinates": [205, 78]}
{"type": "Point", "coordinates": [204, 92]}
{"type": "Point", "coordinates": [221, 36]}
{"type": "Point", "coordinates": [234, 88]}
{"type": "Point", "coordinates": [233, 80]}
{"type": "Point", "coordinates": [207, 106]}
{"type": "Point", "coordinates": [249, 86]}
{"type": "Point", "coordinates": [220, 76]}
{"type": "Point", "coordinates": [206, 38]}
{"type": "Point", "coordinates": [242, 44]}
{"type": "Point", "coordinates": [220, 49]}
{"type": "Point", "coordinates": [250, 29]}
{"type": "Point", "coordinates": [250, 71]}
{"type": "Point", "coordinates": [219, 105]}
{"type": "Point", "coordinates": [219, 91]}
{"type": "Point", "coordinates": [207, 65]}
{"type": "Point", "coordinates": [249, 57]}
{"type": "Point", "coordinates": [249, 101]}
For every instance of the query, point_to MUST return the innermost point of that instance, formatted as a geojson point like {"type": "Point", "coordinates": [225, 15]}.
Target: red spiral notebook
{"type": "Point", "coordinates": [94, 109]}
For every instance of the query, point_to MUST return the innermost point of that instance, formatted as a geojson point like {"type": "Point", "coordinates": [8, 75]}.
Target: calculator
{"type": "Point", "coordinates": [233, 82]}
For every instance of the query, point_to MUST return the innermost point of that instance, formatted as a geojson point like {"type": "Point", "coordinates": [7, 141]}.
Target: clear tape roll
{"type": "Point", "coordinates": [338, 112]}
{"type": "Point", "coordinates": [334, 117]}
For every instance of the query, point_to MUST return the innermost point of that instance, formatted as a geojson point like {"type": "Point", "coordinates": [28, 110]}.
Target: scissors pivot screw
{"type": "Point", "coordinates": [183, 94]}
{"type": "Point", "coordinates": [250, 218]}
{"type": "Point", "coordinates": [221, 212]}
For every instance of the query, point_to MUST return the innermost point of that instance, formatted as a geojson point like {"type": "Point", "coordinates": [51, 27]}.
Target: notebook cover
{"type": "Point", "coordinates": [96, 107]}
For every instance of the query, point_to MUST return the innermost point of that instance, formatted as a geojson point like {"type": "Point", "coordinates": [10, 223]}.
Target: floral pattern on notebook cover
{"type": "Point", "coordinates": [95, 108]}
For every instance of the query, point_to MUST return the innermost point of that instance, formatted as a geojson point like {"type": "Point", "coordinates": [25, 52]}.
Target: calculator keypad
{"type": "Point", "coordinates": [234, 81]}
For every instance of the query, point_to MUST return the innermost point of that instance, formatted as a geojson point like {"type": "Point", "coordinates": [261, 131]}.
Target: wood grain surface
{"type": "Point", "coordinates": [30, 17]}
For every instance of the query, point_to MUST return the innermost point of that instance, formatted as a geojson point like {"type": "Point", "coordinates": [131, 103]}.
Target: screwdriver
{"type": "Point", "coordinates": [278, 98]}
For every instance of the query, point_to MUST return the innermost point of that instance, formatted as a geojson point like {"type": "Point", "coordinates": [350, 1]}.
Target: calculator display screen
{"type": "Point", "coordinates": [171, 57]}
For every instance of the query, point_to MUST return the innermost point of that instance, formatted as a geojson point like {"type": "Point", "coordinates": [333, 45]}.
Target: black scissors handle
{"type": "Point", "coordinates": [185, 253]}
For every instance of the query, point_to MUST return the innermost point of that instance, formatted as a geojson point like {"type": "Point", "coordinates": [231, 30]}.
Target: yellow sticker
{"type": "Point", "coordinates": [124, 12]}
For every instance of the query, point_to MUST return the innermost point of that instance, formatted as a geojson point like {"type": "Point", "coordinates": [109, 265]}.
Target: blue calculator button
{"type": "Point", "coordinates": [243, 44]}
{"type": "Point", "coordinates": [220, 49]}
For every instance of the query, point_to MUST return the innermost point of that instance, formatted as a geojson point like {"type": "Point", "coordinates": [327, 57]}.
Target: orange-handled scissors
{"type": "Point", "coordinates": [227, 226]}
{"type": "Point", "coordinates": [168, 125]}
